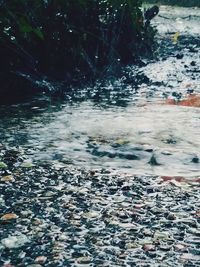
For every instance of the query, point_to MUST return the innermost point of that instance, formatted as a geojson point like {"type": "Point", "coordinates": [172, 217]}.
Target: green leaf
{"type": "Point", "coordinates": [39, 33]}
{"type": "Point", "coordinates": [24, 26]}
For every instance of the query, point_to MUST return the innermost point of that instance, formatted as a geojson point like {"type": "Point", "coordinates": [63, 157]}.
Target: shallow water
{"type": "Point", "coordinates": [172, 134]}
{"type": "Point", "coordinates": [89, 135]}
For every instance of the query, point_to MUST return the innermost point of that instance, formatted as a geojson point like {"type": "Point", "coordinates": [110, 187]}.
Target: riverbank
{"type": "Point", "coordinates": [58, 44]}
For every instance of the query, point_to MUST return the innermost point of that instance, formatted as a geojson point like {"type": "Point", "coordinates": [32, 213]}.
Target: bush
{"type": "Point", "coordinates": [69, 39]}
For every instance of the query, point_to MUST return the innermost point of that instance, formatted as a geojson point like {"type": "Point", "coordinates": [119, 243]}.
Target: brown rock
{"type": "Point", "coordinates": [8, 217]}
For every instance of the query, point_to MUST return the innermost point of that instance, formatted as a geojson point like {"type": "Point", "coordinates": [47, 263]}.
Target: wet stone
{"type": "Point", "coordinates": [149, 247]}
{"type": "Point", "coordinates": [195, 160]}
{"type": "Point", "coordinates": [193, 63]}
{"type": "Point", "coordinates": [41, 259]}
{"type": "Point", "coordinates": [171, 216]}
{"type": "Point", "coordinates": [165, 247]}
{"type": "Point", "coordinates": [181, 247]}
{"type": "Point", "coordinates": [152, 254]}
{"type": "Point", "coordinates": [126, 188]}
{"type": "Point", "coordinates": [147, 232]}
{"type": "Point", "coordinates": [189, 256]}
{"type": "Point", "coordinates": [179, 56]}
{"type": "Point", "coordinates": [7, 178]}
{"type": "Point", "coordinates": [8, 217]}
{"type": "Point", "coordinates": [15, 241]}
{"type": "Point", "coordinates": [83, 260]}
{"type": "Point", "coordinates": [113, 189]}
{"type": "Point", "coordinates": [149, 150]}
{"type": "Point", "coordinates": [150, 189]}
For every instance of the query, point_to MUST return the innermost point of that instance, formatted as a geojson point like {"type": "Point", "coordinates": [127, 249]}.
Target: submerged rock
{"type": "Point", "coordinates": [153, 161]}
{"type": "Point", "coordinates": [195, 159]}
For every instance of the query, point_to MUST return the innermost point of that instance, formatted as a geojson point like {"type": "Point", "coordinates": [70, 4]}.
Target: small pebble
{"type": "Point", "coordinates": [180, 247]}
{"type": "Point", "coordinates": [171, 217]}
{"type": "Point", "coordinates": [7, 178]}
{"type": "Point", "coordinates": [149, 247]}
{"type": "Point", "coordinates": [41, 259]}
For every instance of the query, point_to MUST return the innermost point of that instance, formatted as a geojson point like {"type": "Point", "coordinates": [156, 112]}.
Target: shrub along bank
{"type": "Point", "coordinates": [67, 40]}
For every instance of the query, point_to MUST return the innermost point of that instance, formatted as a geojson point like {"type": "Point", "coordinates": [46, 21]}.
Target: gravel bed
{"type": "Point", "coordinates": [54, 215]}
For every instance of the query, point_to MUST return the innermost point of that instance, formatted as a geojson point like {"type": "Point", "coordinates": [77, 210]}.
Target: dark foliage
{"type": "Point", "coordinates": [67, 40]}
